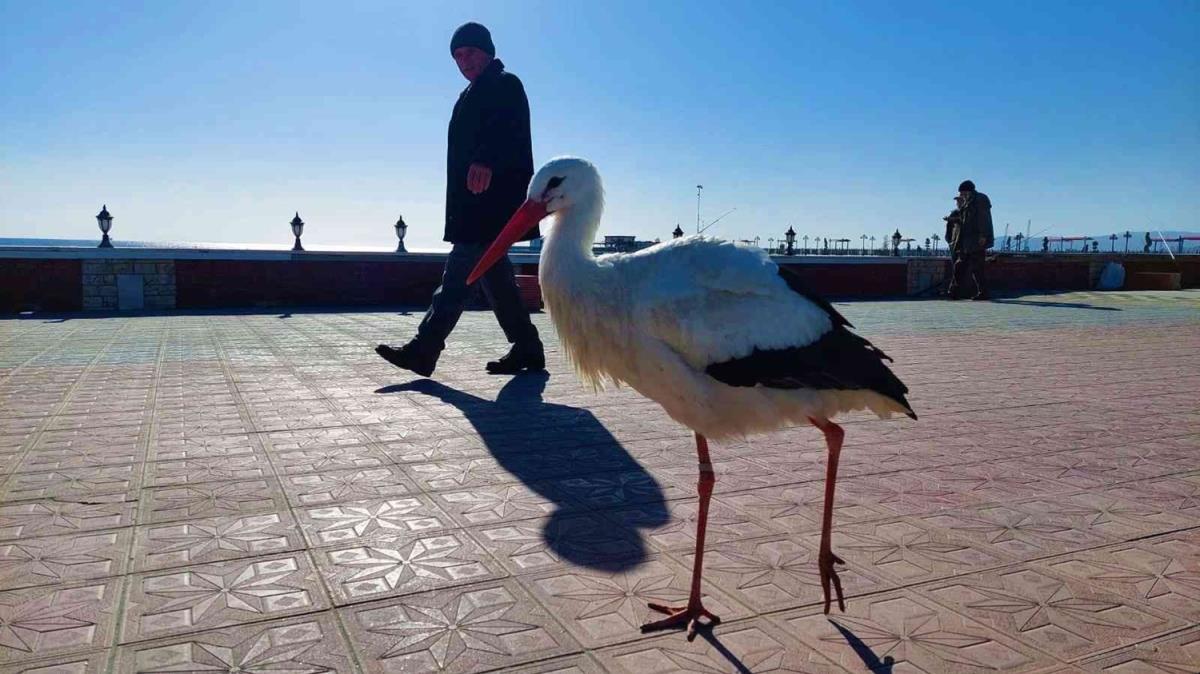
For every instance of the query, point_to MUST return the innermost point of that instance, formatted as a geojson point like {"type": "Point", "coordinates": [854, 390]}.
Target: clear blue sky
{"type": "Point", "coordinates": [214, 121]}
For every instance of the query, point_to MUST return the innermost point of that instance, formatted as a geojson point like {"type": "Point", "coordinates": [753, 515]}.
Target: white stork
{"type": "Point", "coordinates": [725, 340]}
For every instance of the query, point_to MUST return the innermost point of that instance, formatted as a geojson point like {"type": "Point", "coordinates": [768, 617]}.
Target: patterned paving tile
{"type": "Point", "coordinates": [102, 483]}
{"type": "Point", "coordinates": [672, 526]}
{"type": "Point", "coordinates": [403, 564]}
{"type": "Point", "coordinates": [461, 630]}
{"type": "Point", "coordinates": [1105, 515]}
{"type": "Point", "coordinates": [214, 539]}
{"type": "Point", "coordinates": [1137, 574]}
{"type": "Point", "coordinates": [346, 485]}
{"type": "Point", "coordinates": [458, 474]}
{"type": "Point", "coordinates": [586, 540]}
{"type": "Point", "coordinates": [308, 644]}
{"type": "Point", "coordinates": [503, 503]}
{"type": "Point", "coordinates": [1170, 494]}
{"type": "Point", "coordinates": [63, 559]}
{"type": "Point", "coordinates": [1182, 545]}
{"type": "Point", "coordinates": [363, 520]}
{"type": "Point", "coordinates": [199, 446]}
{"type": "Point", "coordinates": [799, 507]}
{"type": "Point", "coordinates": [210, 499]}
{"type": "Point", "coordinates": [1007, 530]}
{"type": "Point", "coordinates": [321, 459]}
{"type": "Point", "coordinates": [85, 663]}
{"type": "Point", "coordinates": [196, 598]}
{"type": "Point", "coordinates": [1070, 619]}
{"type": "Point", "coordinates": [896, 631]}
{"type": "Point", "coordinates": [753, 646]}
{"type": "Point", "coordinates": [46, 518]}
{"type": "Point", "coordinates": [211, 469]}
{"type": "Point", "coordinates": [902, 551]}
{"type": "Point", "coordinates": [770, 574]}
{"type": "Point", "coordinates": [607, 608]}
{"type": "Point", "coordinates": [57, 620]}
{"type": "Point", "coordinates": [314, 438]}
{"type": "Point", "coordinates": [903, 493]}
{"type": "Point", "coordinates": [1176, 654]}
{"type": "Point", "coordinates": [71, 457]}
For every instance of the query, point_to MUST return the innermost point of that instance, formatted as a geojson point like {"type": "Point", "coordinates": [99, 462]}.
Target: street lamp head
{"type": "Point", "coordinates": [677, 233]}
{"type": "Point", "coordinates": [790, 234]}
{"type": "Point", "coordinates": [104, 219]}
{"type": "Point", "coordinates": [297, 225]}
{"type": "Point", "coordinates": [401, 228]}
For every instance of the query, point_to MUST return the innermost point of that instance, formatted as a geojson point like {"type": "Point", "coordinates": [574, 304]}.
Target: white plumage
{"type": "Point", "coordinates": [710, 330]}
{"type": "Point", "coordinates": [656, 318]}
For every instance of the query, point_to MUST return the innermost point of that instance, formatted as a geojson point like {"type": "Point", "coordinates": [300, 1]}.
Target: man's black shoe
{"type": "Point", "coordinates": [518, 359]}
{"type": "Point", "coordinates": [408, 358]}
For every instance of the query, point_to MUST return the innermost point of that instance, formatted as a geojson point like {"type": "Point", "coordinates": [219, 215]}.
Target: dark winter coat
{"type": "Point", "coordinates": [490, 126]}
{"type": "Point", "coordinates": [975, 231]}
{"type": "Point", "coordinates": [952, 222]}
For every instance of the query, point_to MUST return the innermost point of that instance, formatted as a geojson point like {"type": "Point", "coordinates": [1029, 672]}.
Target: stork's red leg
{"type": "Point", "coordinates": [825, 557]}
{"type": "Point", "coordinates": [690, 615]}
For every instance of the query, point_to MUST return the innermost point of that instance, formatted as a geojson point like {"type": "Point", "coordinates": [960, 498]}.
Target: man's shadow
{"type": "Point", "coordinates": [542, 444]}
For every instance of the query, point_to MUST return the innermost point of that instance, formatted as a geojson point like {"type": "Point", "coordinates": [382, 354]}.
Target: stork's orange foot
{"type": "Point", "coordinates": [825, 561]}
{"type": "Point", "coordinates": [678, 616]}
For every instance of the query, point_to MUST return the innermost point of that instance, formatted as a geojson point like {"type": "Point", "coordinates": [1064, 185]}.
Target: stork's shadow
{"type": "Point", "coordinates": [547, 446]}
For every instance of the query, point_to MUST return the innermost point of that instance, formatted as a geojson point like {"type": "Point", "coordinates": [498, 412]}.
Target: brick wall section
{"type": "Point", "coordinates": [100, 282]}
{"type": "Point", "coordinates": [39, 285]}
{"type": "Point", "coordinates": [851, 280]}
{"type": "Point", "coordinates": [278, 283]}
{"type": "Point", "coordinates": [924, 274]}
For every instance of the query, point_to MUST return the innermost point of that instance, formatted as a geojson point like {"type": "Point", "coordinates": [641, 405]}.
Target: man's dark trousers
{"type": "Point", "coordinates": [970, 265]}
{"type": "Point", "coordinates": [499, 285]}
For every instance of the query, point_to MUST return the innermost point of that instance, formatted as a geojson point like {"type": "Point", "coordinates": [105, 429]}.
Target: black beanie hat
{"type": "Point", "coordinates": [966, 186]}
{"type": "Point", "coordinates": [472, 34]}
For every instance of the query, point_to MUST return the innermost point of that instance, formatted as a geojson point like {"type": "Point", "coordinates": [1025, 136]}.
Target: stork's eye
{"type": "Point", "coordinates": [554, 182]}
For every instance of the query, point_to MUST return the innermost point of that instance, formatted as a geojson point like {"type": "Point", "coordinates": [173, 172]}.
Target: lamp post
{"type": "Point", "coordinates": [771, 243]}
{"type": "Point", "coordinates": [1127, 236]}
{"type": "Point", "coordinates": [677, 233]}
{"type": "Point", "coordinates": [756, 242]}
{"type": "Point", "coordinates": [1112, 248]}
{"type": "Point", "coordinates": [401, 231]}
{"type": "Point", "coordinates": [805, 250]}
{"type": "Point", "coordinates": [896, 244]}
{"type": "Point", "coordinates": [936, 238]}
{"type": "Point", "coordinates": [297, 229]}
{"type": "Point", "coordinates": [864, 244]}
{"type": "Point", "coordinates": [872, 243]}
{"type": "Point", "coordinates": [790, 237]}
{"type": "Point", "coordinates": [104, 219]}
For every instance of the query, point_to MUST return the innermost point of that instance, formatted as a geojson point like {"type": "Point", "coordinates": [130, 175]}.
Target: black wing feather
{"type": "Point", "coordinates": [838, 360]}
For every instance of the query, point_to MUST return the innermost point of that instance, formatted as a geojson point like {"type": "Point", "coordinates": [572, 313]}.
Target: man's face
{"type": "Point", "coordinates": [963, 195]}
{"type": "Point", "coordinates": [471, 61]}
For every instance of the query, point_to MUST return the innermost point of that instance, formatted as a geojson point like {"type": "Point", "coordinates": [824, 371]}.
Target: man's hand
{"type": "Point", "coordinates": [479, 178]}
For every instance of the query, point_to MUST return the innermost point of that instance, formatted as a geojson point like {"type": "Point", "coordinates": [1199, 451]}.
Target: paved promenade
{"type": "Point", "coordinates": [258, 492]}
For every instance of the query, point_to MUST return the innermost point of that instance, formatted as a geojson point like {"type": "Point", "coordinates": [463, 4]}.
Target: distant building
{"type": "Point", "coordinates": [621, 244]}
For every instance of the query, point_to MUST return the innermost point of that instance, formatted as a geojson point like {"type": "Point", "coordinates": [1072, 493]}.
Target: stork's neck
{"type": "Point", "coordinates": [568, 245]}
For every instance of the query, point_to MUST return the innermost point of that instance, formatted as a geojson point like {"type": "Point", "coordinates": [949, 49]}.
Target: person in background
{"type": "Point", "coordinates": [953, 222]}
{"type": "Point", "coordinates": [974, 238]}
{"type": "Point", "coordinates": [489, 162]}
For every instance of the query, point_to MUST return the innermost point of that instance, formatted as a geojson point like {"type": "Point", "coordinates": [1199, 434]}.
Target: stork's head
{"type": "Point", "coordinates": [559, 186]}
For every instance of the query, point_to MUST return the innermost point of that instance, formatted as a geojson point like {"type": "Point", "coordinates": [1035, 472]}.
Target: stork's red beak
{"type": "Point", "coordinates": [526, 218]}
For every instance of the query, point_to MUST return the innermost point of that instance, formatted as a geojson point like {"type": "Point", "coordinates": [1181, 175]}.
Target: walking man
{"type": "Point", "coordinates": [489, 162]}
{"type": "Point", "coordinates": [974, 238]}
